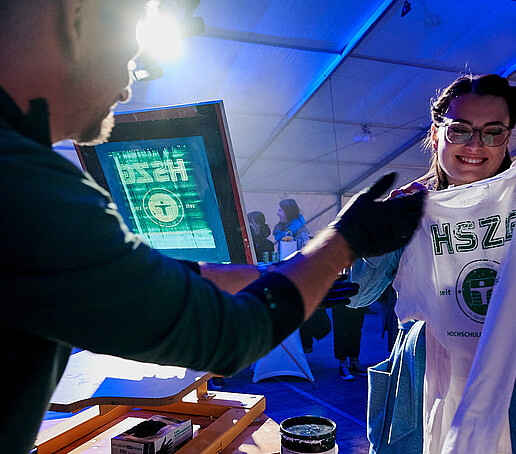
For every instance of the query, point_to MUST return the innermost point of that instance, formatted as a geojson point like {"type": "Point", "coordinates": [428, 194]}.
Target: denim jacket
{"type": "Point", "coordinates": [373, 275]}
{"type": "Point", "coordinates": [395, 395]}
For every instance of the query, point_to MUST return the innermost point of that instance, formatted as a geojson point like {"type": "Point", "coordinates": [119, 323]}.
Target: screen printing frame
{"type": "Point", "coordinates": [207, 120]}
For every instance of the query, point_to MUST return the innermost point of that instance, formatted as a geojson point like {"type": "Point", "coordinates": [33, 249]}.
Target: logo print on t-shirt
{"type": "Point", "coordinates": [163, 207]}
{"type": "Point", "coordinates": [474, 288]}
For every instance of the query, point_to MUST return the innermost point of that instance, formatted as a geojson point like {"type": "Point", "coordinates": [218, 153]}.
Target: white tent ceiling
{"type": "Point", "coordinates": [300, 78]}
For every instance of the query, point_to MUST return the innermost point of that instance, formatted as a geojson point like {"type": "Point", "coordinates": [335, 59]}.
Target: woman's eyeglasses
{"type": "Point", "coordinates": [458, 132]}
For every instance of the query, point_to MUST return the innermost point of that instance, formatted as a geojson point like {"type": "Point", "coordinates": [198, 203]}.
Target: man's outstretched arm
{"type": "Point", "coordinates": [363, 228]}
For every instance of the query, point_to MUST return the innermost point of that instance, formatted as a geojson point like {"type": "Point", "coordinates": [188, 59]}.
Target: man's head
{"type": "Point", "coordinates": [75, 54]}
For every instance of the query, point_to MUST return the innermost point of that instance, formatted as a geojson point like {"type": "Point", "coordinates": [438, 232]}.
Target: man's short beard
{"type": "Point", "coordinates": [97, 134]}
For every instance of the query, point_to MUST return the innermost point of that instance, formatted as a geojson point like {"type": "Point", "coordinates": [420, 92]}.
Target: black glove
{"type": "Point", "coordinates": [339, 293]}
{"type": "Point", "coordinates": [375, 228]}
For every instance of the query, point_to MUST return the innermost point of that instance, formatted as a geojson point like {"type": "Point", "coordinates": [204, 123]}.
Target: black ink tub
{"type": "Point", "coordinates": [308, 434]}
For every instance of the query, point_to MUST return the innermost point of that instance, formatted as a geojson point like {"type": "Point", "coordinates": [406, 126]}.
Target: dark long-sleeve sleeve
{"type": "Point", "coordinates": [73, 275]}
{"type": "Point", "coordinates": [87, 281]}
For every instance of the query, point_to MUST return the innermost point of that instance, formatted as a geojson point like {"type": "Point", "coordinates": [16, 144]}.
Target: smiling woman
{"type": "Point", "coordinates": [472, 121]}
{"type": "Point", "coordinates": [464, 155]}
{"type": "Point", "coordinates": [474, 152]}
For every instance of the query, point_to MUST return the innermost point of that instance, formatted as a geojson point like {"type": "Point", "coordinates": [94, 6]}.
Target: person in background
{"type": "Point", "coordinates": [292, 226]}
{"type": "Point", "coordinates": [348, 323]}
{"type": "Point", "coordinates": [347, 334]}
{"type": "Point", "coordinates": [260, 232]}
{"type": "Point", "coordinates": [291, 223]}
{"type": "Point", "coordinates": [70, 266]}
{"type": "Point", "coordinates": [472, 120]}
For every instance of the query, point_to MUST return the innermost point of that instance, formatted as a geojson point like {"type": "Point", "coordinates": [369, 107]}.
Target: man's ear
{"type": "Point", "coordinates": [71, 24]}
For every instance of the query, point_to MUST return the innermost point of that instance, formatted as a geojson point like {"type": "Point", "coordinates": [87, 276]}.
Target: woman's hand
{"type": "Point", "coordinates": [408, 189]}
{"type": "Point", "coordinates": [374, 228]}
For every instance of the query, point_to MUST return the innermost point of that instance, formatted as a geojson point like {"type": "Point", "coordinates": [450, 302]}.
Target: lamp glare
{"type": "Point", "coordinates": [159, 35]}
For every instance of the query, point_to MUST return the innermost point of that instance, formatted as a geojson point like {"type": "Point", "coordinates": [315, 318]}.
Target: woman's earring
{"type": "Point", "coordinates": [435, 139]}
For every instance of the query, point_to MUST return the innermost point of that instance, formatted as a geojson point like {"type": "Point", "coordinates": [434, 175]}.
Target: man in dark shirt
{"type": "Point", "coordinates": [71, 270]}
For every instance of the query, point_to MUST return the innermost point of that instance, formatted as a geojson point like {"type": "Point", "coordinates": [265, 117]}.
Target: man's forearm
{"type": "Point", "coordinates": [230, 278]}
{"type": "Point", "coordinates": [354, 233]}
{"type": "Point", "coordinates": [313, 270]}
{"type": "Point", "coordinates": [316, 267]}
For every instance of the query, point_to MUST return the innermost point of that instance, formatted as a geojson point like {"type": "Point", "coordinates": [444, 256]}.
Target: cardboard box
{"type": "Point", "coordinates": [156, 435]}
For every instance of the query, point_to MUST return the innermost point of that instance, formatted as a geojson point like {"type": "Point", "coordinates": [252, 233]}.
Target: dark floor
{"type": "Point", "coordinates": [330, 396]}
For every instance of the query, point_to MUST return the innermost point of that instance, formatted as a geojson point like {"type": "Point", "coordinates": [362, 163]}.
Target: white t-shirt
{"type": "Point", "coordinates": [447, 276]}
